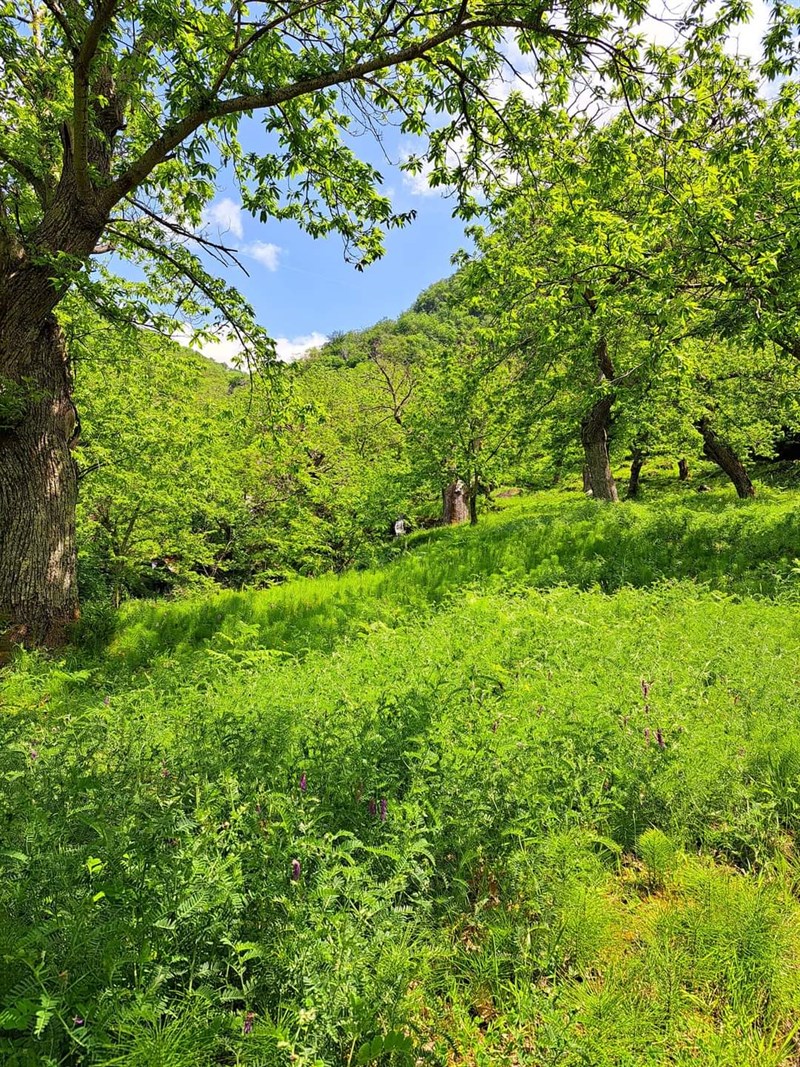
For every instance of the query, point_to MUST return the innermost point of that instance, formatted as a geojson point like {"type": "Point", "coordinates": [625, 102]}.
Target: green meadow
{"type": "Point", "coordinates": [528, 793]}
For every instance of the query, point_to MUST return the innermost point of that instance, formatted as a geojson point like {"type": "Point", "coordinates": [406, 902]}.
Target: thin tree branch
{"type": "Point", "coordinates": [257, 101]}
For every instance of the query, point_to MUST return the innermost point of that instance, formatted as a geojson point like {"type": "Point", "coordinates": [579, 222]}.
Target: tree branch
{"type": "Point", "coordinates": [39, 185]}
{"type": "Point", "coordinates": [81, 75]}
{"type": "Point", "coordinates": [257, 101]}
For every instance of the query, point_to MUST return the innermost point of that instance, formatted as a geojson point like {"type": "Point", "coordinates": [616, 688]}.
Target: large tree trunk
{"type": "Point", "coordinates": [637, 462]}
{"type": "Point", "coordinates": [683, 470]}
{"type": "Point", "coordinates": [38, 485]}
{"type": "Point", "coordinates": [721, 453]}
{"type": "Point", "coordinates": [455, 505]}
{"type": "Point", "coordinates": [594, 435]}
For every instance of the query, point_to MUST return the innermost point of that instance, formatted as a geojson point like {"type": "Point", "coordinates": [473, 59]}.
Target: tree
{"type": "Point", "coordinates": [117, 118]}
{"type": "Point", "coordinates": [161, 461]}
{"type": "Point", "coordinates": [639, 273]}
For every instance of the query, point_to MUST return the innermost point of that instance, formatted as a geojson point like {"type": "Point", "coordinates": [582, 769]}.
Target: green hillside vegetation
{"type": "Point", "coordinates": [526, 794]}
{"type": "Point", "coordinates": [193, 476]}
{"type": "Point", "coordinates": [435, 698]}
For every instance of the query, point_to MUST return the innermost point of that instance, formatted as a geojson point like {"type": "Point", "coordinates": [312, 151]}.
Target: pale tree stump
{"type": "Point", "coordinates": [455, 503]}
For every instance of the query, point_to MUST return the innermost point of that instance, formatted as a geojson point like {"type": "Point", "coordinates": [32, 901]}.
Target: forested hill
{"type": "Point", "coordinates": [194, 476]}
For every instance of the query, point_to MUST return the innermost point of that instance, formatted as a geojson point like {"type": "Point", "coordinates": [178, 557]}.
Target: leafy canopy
{"type": "Point", "coordinates": [120, 116]}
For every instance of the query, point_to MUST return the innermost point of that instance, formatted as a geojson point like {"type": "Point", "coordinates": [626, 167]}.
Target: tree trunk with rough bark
{"type": "Point", "coordinates": [637, 462]}
{"type": "Point", "coordinates": [455, 505]}
{"type": "Point", "coordinates": [683, 470]}
{"type": "Point", "coordinates": [721, 453]}
{"type": "Point", "coordinates": [594, 435]}
{"type": "Point", "coordinates": [587, 480]}
{"type": "Point", "coordinates": [38, 487]}
{"type": "Point", "coordinates": [38, 479]}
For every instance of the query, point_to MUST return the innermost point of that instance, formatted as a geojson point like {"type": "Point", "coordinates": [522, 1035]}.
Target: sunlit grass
{"type": "Point", "coordinates": [528, 794]}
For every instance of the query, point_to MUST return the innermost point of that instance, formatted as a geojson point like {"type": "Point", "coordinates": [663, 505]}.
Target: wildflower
{"type": "Point", "coordinates": [296, 869]}
{"type": "Point", "coordinates": [106, 700]}
{"type": "Point", "coordinates": [77, 1020]}
{"type": "Point", "coordinates": [248, 1022]}
{"type": "Point", "coordinates": [647, 734]}
{"type": "Point", "coordinates": [164, 771]}
{"type": "Point", "coordinates": [373, 807]}
{"type": "Point", "coordinates": [660, 738]}
{"type": "Point", "coordinates": [384, 806]}
{"type": "Point", "coordinates": [34, 754]}
{"type": "Point", "coordinates": [303, 782]}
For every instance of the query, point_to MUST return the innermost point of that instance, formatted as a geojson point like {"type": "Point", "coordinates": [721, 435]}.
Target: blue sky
{"type": "Point", "coordinates": [303, 290]}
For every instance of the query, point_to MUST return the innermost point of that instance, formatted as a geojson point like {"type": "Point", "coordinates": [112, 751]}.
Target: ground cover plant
{"type": "Point", "coordinates": [528, 793]}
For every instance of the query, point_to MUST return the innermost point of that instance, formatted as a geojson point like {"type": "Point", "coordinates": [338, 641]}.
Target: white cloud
{"type": "Point", "coordinates": [228, 350]}
{"type": "Point", "coordinates": [264, 252]}
{"type": "Point", "coordinates": [418, 183]}
{"type": "Point", "coordinates": [289, 351]}
{"type": "Point", "coordinates": [747, 39]}
{"type": "Point", "coordinates": [225, 350]}
{"type": "Point", "coordinates": [226, 215]}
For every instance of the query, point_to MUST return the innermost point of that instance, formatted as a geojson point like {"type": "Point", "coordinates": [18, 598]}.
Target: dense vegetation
{"type": "Point", "coordinates": [383, 731]}
{"type": "Point", "coordinates": [526, 794]}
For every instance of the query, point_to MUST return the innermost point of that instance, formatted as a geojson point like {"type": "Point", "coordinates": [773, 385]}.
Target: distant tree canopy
{"type": "Point", "coordinates": [117, 120]}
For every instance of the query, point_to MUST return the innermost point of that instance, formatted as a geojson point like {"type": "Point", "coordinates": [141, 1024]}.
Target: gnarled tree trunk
{"type": "Point", "coordinates": [594, 435]}
{"type": "Point", "coordinates": [455, 505]}
{"type": "Point", "coordinates": [637, 462]}
{"type": "Point", "coordinates": [721, 453]}
{"type": "Point", "coordinates": [38, 486]}
{"type": "Point", "coordinates": [38, 479]}
{"type": "Point", "coordinates": [596, 424]}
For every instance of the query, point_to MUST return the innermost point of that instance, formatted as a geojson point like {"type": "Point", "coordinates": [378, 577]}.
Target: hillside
{"type": "Point", "coordinates": [527, 793]}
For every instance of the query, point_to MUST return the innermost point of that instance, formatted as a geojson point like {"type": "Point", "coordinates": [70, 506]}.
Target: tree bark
{"type": "Point", "coordinates": [594, 435]}
{"type": "Point", "coordinates": [683, 470]}
{"type": "Point", "coordinates": [473, 502]}
{"type": "Point", "coordinates": [721, 453]}
{"type": "Point", "coordinates": [587, 480]}
{"type": "Point", "coordinates": [637, 462]}
{"type": "Point", "coordinates": [38, 487]}
{"type": "Point", "coordinates": [455, 505]}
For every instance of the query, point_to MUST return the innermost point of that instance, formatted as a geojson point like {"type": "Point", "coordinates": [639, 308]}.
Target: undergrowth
{"type": "Point", "coordinates": [527, 795]}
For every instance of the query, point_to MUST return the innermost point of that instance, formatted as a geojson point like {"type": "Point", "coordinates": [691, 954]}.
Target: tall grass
{"type": "Point", "coordinates": [476, 807]}
{"type": "Point", "coordinates": [748, 547]}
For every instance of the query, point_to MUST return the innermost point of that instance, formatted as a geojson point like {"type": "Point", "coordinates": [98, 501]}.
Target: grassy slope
{"type": "Point", "coordinates": [488, 687]}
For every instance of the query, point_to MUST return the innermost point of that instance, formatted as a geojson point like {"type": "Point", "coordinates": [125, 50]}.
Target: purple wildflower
{"type": "Point", "coordinates": [247, 1028]}
{"type": "Point", "coordinates": [77, 1020]}
{"type": "Point", "coordinates": [303, 782]}
{"type": "Point", "coordinates": [296, 869]}
{"type": "Point", "coordinates": [373, 807]}
{"type": "Point", "coordinates": [164, 771]}
{"type": "Point", "coordinates": [660, 738]}
{"type": "Point", "coordinates": [34, 754]}
{"type": "Point", "coordinates": [647, 734]}
{"type": "Point", "coordinates": [384, 806]}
